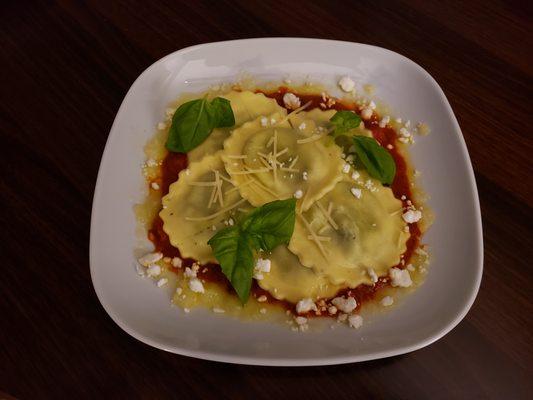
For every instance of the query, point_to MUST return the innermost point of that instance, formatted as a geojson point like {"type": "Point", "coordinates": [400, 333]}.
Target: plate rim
{"type": "Point", "coordinates": [288, 362]}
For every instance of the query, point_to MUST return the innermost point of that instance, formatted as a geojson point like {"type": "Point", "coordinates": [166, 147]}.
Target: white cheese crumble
{"type": "Point", "coordinates": [139, 270]}
{"type": "Point", "coordinates": [332, 310]}
{"type": "Point", "coordinates": [372, 274]}
{"type": "Point", "coordinates": [400, 277]}
{"type": "Point", "coordinates": [153, 270]}
{"type": "Point", "coordinates": [298, 194]}
{"type": "Point", "coordinates": [162, 282]}
{"type": "Point", "coordinates": [264, 121]}
{"type": "Point", "coordinates": [305, 175]}
{"type": "Point", "coordinates": [372, 105]}
{"type": "Point", "coordinates": [151, 163]}
{"type": "Point", "coordinates": [305, 305]}
{"type": "Point", "coordinates": [355, 321]}
{"type": "Point", "coordinates": [356, 192]}
{"type": "Point", "coordinates": [384, 121]}
{"type": "Point", "coordinates": [219, 310]}
{"type": "Point", "coordinates": [410, 267]}
{"type": "Point", "coordinates": [177, 262]}
{"type": "Point", "coordinates": [300, 320]}
{"type": "Point", "coordinates": [261, 266]}
{"type": "Point", "coordinates": [263, 310]}
{"type": "Point", "coordinates": [302, 126]}
{"type": "Point", "coordinates": [366, 113]}
{"type": "Point", "coordinates": [262, 298]}
{"type": "Point", "coordinates": [342, 317]}
{"type": "Point", "coordinates": [387, 301]}
{"type": "Point", "coordinates": [412, 216]}
{"type": "Point", "coordinates": [196, 285]}
{"type": "Point", "coordinates": [344, 304]}
{"type": "Point", "coordinates": [179, 291]}
{"type": "Point", "coordinates": [190, 273]}
{"type": "Point", "coordinates": [186, 310]}
{"type": "Point", "coordinates": [155, 186]}
{"type": "Point", "coordinates": [346, 84]}
{"type": "Point", "coordinates": [346, 168]}
{"type": "Point", "coordinates": [355, 175]}
{"type": "Point", "coordinates": [150, 258]}
{"type": "Point", "coordinates": [291, 101]}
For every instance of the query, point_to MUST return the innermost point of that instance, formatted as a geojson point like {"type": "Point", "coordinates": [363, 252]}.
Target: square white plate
{"type": "Point", "coordinates": [455, 239]}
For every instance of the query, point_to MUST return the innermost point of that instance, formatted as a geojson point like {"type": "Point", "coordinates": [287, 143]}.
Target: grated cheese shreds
{"type": "Point", "coordinates": [293, 163]}
{"type": "Point", "coordinates": [314, 236]}
{"type": "Point", "coordinates": [275, 150]}
{"type": "Point", "coordinates": [220, 212]}
{"type": "Point", "coordinates": [202, 183]}
{"type": "Point", "coordinates": [321, 238]}
{"type": "Point", "coordinates": [249, 171]}
{"type": "Point", "coordinates": [238, 157]}
{"type": "Point", "coordinates": [294, 112]}
{"type": "Point", "coordinates": [327, 214]}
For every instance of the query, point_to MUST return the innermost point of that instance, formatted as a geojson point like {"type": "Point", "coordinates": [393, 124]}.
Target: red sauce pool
{"type": "Point", "coordinates": [175, 162]}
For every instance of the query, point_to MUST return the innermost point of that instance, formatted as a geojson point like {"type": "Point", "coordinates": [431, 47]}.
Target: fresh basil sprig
{"type": "Point", "coordinates": [343, 121]}
{"type": "Point", "coordinates": [193, 122]}
{"type": "Point", "coordinates": [378, 161]}
{"type": "Point", "coordinates": [264, 228]}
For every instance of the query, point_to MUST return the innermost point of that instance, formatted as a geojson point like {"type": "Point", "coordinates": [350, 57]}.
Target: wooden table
{"type": "Point", "coordinates": [65, 68]}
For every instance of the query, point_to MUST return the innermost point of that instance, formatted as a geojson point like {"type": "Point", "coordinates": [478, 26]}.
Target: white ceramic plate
{"type": "Point", "coordinates": [455, 239]}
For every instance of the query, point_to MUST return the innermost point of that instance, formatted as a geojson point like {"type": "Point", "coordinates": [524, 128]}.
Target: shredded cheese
{"type": "Point", "coordinates": [314, 236]}
{"type": "Point", "coordinates": [327, 215]}
{"type": "Point", "coordinates": [220, 212]}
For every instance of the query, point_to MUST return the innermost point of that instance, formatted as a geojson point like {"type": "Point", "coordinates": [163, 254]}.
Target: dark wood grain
{"type": "Point", "coordinates": [65, 68]}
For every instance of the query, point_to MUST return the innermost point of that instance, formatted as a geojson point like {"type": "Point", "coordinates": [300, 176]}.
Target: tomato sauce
{"type": "Point", "coordinates": [387, 137]}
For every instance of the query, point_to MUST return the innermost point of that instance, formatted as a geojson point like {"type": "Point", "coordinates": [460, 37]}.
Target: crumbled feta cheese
{"type": "Point", "coordinates": [262, 265]}
{"type": "Point", "coordinates": [162, 282]}
{"type": "Point", "coordinates": [179, 290]}
{"type": "Point", "coordinates": [407, 123]}
{"type": "Point", "coordinates": [219, 310]}
{"type": "Point", "coordinates": [196, 285]}
{"type": "Point", "coordinates": [400, 277]}
{"type": "Point", "coordinates": [410, 267]}
{"type": "Point", "coordinates": [262, 298]}
{"type": "Point", "coordinates": [346, 168]}
{"type": "Point", "coordinates": [264, 121]}
{"type": "Point", "coordinates": [300, 320]}
{"type": "Point", "coordinates": [404, 133]}
{"type": "Point", "coordinates": [263, 310]}
{"type": "Point", "coordinates": [372, 274]}
{"type": "Point", "coordinates": [355, 321]}
{"type": "Point", "coordinates": [355, 175]}
{"type": "Point", "coordinates": [186, 310]}
{"type": "Point", "coordinates": [150, 258]}
{"type": "Point", "coordinates": [291, 101]}
{"type": "Point", "coordinates": [384, 121]}
{"type": "Point", "coordinates": [155, 186]}
{"type": "Point", "coordinates": [305, 176]}
{"type": "Point", "coordinates": [153, 270]}
{"type": "Point", "coordinates": [398, 120]}
{"type": "Point", "coordinates": [305, 305]}
{"type": "Point", "coordinates": [372, 105]}
{"type": "Point", "coordinates": [230, 222]}
{"type": "Point", "coordinates": [272, 121]}
{"type": "Point", "coordinates": [151, 163]}
{"type": "Point", "coordinates": [356, 192]}
{"type": "Point", "coordinates": [412, 216]}
{"type": "Point", "coordinates": [344, 304]}
{"type": "Point", "coordinates": [190, 273]}
{"type": "Point", "coordinates": [139, 270]}
{"type": "Point", "coordinates": [298, 194]}
{"type": "Point", "coordinates": [332, 310]}
{"type": "Point", "coordinates": [302, 126]}
{"type": "Point", "coordinates": [387, 301]}
{"type": "Point", "coordinates": [177, 262]}
{"type": "Point", "coordinates": [346, 84]}
{"type": "Point", "coordinates": [187, 171]}
{"type": "Point", "coordinates": [366, 113]}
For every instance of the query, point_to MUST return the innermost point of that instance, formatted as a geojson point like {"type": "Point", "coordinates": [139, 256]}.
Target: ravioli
{"type": "Point", "coordinates": [342, 236]}
{"type": "Point", "coordinates": [198, 204]}
{"type": "Point", "coordinates": [289, 280]}
{"type": "Point", "coordinates": [269, 160]}
{"type": "Point", "coordinates": [246, 106]}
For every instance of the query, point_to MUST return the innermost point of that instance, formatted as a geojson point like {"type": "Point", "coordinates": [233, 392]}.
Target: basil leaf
{"type": "Point", "coordinates": [193, 122]}
{"type": "Point", "coordinates": [343, 121]}
{"type": "Point", "coordinates": [223, 112]}
{"type": "Point", "coordinates": [262, 229]}
{"type": "Point", "coordinates": [234, 251]}
{"type": "Point", "coordinates": [378, 161]}
{"type": "Point", "coordinates": [271, 224]}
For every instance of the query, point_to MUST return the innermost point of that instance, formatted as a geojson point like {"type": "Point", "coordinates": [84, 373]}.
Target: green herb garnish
{"type": "Point", "coordinates": [262, 229]}
{"type": "Point", "coordinates": [193, 122]}
{"type": "Point", "coordinates": [378, 161]}
{"type": "Point", "coordinates": [343, 121]}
